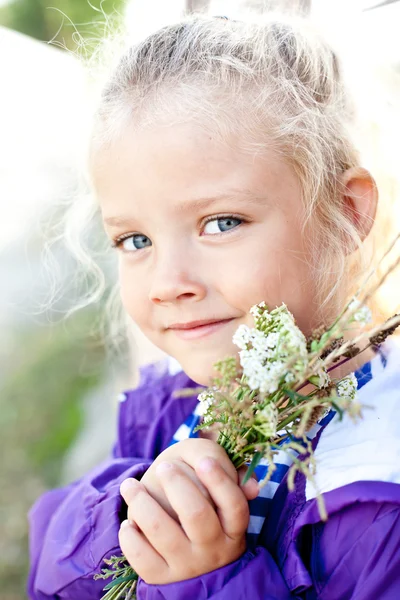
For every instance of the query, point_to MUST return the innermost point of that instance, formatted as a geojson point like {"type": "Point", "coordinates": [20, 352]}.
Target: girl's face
{"type": "Point", "coordinates": [204, 231]}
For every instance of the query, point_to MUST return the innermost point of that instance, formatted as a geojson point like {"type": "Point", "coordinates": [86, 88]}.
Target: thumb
{"type": "Point", "coordinates": [250, 488]}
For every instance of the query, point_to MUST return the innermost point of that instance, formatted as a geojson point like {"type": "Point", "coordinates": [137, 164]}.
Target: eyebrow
{"type": "Point", "coordinates": [238, 195]}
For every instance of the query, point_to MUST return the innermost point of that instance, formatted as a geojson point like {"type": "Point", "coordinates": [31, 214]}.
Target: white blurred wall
{"type": "Point", "coordinates": [42, 110]}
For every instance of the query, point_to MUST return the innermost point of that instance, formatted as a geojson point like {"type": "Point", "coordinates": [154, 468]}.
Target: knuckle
{"type": "Point", "coordinates": [134, 553]}
{"type": "Point", "coordinates": [192, 450]}
{"type": "Point", "coordinates": [154, 526]}
{"type": "Point", "coordinates": [199, 445]}
{"type": "Point", "coordinates": [197, 513]}
{"type": "Point", "coordinates": [219, 475]}
{"type": "Point", "coordinates": [174, 546]}
{"type": "Point", "coordinates": [215, 451]}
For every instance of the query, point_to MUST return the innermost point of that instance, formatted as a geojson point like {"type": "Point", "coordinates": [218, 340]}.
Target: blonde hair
{"type": "Point", "coordinates": [280, 83]}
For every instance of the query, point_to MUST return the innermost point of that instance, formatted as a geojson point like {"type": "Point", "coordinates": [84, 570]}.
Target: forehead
{"type": "Point", "coordinates": [175, 163]}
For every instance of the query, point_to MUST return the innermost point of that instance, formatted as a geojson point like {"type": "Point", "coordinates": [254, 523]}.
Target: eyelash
{"type": "Point", "coordinates": [116, 243]}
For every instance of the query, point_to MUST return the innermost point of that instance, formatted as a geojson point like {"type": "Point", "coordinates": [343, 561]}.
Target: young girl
{"type": "Point", "coordinates": [225, 174]}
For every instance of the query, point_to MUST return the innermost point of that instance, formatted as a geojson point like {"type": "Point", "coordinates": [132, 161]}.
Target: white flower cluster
{"type": "Point", "coordinates": [266, 350]}
{"type": "Point", "coordinates": [267, 419]}
{"type": "Point", "coordinates": [261, 315]}
{"type": "Point", "coordinates": [323, 375]}
{"type": "Point", "coordinates": [347, 387]}
{"type": "Point", "coordinates": [362, 315]}
{"type": "Point", "coordinates": [206, 400]}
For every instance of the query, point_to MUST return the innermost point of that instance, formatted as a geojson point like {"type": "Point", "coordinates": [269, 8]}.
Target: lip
{"type": "Point", "coordinates": [197, 329]}
{"type": "Point", "coordinates": [193, 324]}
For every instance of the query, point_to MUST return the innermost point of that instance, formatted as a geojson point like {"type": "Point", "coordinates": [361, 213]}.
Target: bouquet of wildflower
{"type": "Point", "coordinates": [271, 395]}
{"type": "Point", "coordinates": [261, 407]}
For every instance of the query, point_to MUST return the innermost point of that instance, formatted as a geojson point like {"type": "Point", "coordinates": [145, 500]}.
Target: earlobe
{"type": "Point", "coordinates": [360, 198]}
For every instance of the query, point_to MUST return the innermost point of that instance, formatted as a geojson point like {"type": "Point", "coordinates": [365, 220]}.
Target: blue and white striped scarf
{"type": "Point", "coordinates": [282, 460]}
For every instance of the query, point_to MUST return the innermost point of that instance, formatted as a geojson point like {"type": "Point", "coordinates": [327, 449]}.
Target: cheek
{"type": "Point", "coordinates": [132, 294]}
{"type": "Point", "coordinates": [273, 268]}
{"type": "Point", "coordinates": [259, 279]}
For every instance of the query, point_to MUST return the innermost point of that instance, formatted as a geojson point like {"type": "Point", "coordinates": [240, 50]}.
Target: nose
{"type": "Point", "coordinates": [176, 278]}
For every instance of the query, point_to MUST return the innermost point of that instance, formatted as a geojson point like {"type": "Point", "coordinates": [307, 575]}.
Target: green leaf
{"type": "Point", "coordinates": [338, 409]}
{"type": "Point", "coordinates": [295, 396]}
{"type": "Point", "coordinates": [324, 338]}
{"type": "Point", "coordinates": [255, 460]}
{"type": "Point", "coordinates": [118, 580]}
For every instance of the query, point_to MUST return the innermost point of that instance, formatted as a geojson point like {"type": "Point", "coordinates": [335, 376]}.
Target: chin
{"type": "Point", "coordinates": [201, 374]}
{"type": "Point", "coordinates": [201, 369]}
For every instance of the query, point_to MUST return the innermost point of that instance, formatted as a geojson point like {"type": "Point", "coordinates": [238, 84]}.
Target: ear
{"type": "Point", "coordinates": [360, 198]}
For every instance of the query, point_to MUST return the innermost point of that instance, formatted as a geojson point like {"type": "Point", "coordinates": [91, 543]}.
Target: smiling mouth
{"type": "Point", "coordinates": [198, 331]}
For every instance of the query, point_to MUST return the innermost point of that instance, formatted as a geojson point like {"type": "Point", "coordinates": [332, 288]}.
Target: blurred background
{"type": "Point", "coordinates": [59, 382]}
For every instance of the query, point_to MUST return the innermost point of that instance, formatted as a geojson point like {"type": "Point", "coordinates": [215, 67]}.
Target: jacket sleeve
{"type": "Point", "coordinates": [253, 575]}
{"type": "Point", "coordinates": [73, 528]}
{"type": "Point", "coordinates": [363, 563]}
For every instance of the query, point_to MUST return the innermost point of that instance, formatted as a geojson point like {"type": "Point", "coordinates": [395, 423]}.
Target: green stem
{"type": "Point", "coordinates": [290, 418]}
{"type": "Point", "coordinates": [238, 462]}
{"type": "Point", "coordinates": [254, 446]}
{"type": "Point", "coordinates": [114, 592]}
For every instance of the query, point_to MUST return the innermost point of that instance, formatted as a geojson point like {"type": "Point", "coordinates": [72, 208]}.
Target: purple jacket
{"type": "Point", "coordinates": [354, 556]}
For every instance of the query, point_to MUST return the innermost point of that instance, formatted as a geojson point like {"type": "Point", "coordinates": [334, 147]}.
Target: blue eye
{"type": "Point", "coordinates": [137, 241]}
{"type": "Point", "coordinates": [132, 243]}
{"type": "Point", "coordinates": [221, 224]}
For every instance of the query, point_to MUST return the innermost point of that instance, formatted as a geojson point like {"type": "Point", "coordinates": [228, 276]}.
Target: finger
{"type": "Point", "coordinates": [192, 450]}
{"type": "Point", "coordinates": [142, 557]}
{"type": "Point", "coordinates": [159, 528]}
{"type": "Point", "coordinates": [251, 488]}
{"type": "Point", "coordinates": [232, 506]}
{"type": "Point", "coordinates": [196, 515]}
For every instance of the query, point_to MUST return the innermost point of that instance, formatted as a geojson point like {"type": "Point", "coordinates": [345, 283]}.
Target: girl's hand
{"type": "Point", "coordinates": [187, 455]}
{"type": "Point", "coordinates": [162, 551]}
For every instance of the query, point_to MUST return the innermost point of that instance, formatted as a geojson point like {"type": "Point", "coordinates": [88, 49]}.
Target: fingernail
{"type": "Point", "coordinates": [128, 484]}
{"type": "Point", "coordinates": [206, 465]}
{"type": "Point", "coordinates": [125, 524]}
{"type": "Point", "coordinates": [163, 466]}
{"type": "Point", "coordinates": [252, 486]}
